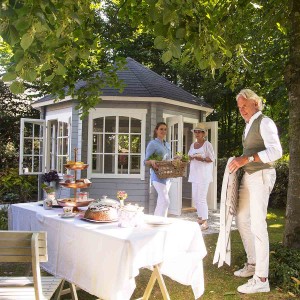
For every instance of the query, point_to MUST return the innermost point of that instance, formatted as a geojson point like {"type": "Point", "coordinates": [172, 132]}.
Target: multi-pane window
{"type": "Point", "coordinates": [32, 146]}
{"type": "Point", "coordinates": [116, 145]}
{"type": "Point", "coordinates": [58, 145]}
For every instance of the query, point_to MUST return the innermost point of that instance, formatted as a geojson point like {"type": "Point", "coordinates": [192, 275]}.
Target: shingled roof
{"type": "Point", "coordinates": [142, 82]}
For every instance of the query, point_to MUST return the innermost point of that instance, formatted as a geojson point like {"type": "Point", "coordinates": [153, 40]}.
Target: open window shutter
{"type": "Point", "coordinates": [32, 146]}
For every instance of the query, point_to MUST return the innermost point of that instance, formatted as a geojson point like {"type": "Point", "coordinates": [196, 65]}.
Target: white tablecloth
{"type": "Point", "coordinates": [104, 259]}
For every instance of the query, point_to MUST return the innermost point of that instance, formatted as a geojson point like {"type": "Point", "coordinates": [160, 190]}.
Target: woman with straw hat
{"type": "Point", "coordinates": [201, 155]}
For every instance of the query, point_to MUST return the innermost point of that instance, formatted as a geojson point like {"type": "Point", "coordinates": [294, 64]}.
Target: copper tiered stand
{"type": "Point", "coordinates": [77, 184]}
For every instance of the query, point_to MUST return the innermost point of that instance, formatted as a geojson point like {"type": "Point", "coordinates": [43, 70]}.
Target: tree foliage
{"type": "Point", "coordinates": [243, 43]}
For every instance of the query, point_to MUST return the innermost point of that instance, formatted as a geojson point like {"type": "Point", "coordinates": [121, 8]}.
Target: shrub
{"type": "Point", "coordinates": [279, 194]}
{"type": "Point", "coordinates": [284, 269]}
{"type": "Point", "coordinates": [3, 218]}
{"type": "Point", "coordinates": [16, 188]}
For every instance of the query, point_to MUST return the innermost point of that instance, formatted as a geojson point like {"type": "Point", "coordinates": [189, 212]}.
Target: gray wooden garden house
{"type": "Point", "coordinates": [113, 138]}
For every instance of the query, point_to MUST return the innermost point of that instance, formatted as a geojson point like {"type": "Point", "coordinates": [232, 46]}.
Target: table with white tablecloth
{"type": "Point", "coordinates": [104, 259]}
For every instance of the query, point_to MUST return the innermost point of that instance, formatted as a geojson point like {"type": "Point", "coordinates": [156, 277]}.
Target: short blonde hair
{"type": "Point", "coordinates": [250, 95]}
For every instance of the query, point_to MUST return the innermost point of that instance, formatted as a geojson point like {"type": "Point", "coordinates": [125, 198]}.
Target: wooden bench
{"type": "Point", "coordinates": [26, 247]}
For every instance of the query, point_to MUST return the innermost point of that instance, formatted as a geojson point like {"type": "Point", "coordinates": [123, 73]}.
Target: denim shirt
{"type": "Point", "coordinates": [161, 148]}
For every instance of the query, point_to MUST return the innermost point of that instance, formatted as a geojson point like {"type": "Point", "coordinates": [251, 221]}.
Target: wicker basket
{"type": "Point", "coordinates": [170, 169]}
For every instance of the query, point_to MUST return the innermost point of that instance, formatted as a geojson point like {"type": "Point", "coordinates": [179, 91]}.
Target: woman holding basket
{"type": "Point", "coordinates": [201, 155]}
{"type": "Point", "coordinates": [159, 149]}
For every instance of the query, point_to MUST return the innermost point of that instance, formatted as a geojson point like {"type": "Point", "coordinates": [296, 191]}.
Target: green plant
{"type": "Point", "coordinates": [284, 268]}
{"type": "Point", "coordinates": [155, 156]}
{"type": "Point", "coordinates": [23, 186]}
{"type": "Point", "coordinates": [3, 218]}
{"type": "Point", "coordinates": [48, 189]}
{"type": "Point", "coordinates": [183, 157]}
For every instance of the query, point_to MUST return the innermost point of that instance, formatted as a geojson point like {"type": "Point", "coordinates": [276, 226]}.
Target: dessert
{"type": "Point", "coordinates": [102, 211]}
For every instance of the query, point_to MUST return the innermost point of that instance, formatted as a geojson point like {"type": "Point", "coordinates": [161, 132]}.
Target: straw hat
{"type": "Point", "coordinates": [199, 126]}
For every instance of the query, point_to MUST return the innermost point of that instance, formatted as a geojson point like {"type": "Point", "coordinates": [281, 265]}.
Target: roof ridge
{"type": "Point", "coordinates": [162, 77]}
{"type": "Point", "coordinates": [132, 70]}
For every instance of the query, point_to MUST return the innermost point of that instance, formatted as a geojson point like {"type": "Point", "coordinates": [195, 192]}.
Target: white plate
{"type": "Point", "coordinates": [158, 222]}
{"type": "Point", "coordinates": [67, 216]}
{"type": "Point", "coordinates": [96, 221]}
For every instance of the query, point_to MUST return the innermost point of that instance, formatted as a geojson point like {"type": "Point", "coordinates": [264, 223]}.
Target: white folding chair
{"type": "Point", "coordinates": [26, 247]}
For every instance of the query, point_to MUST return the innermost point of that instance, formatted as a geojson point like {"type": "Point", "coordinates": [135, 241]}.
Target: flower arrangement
{"type": "Point", "coordinates": [51, 176]}
{"type": "Point", "coordinates": [122, 195]}
{"type": "Point", "coordinates": [48, 178]}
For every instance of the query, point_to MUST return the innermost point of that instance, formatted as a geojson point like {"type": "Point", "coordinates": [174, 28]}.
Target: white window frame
{"type": "Point", "coordinates": [105, 112]}
{"type": "Point", "coordinates": [62, 115]}
{"type": "Point", "coordinates": [22, 169]}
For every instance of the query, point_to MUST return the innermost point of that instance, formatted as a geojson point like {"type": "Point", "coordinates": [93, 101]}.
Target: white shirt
{"type": "Point", "coordinates": [201, 171]}
{"type": "Point", "coordinates": [269, 134]}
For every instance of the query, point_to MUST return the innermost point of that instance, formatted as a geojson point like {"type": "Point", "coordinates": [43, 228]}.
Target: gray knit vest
{"type": "Point", "coordinates": [252, 144]}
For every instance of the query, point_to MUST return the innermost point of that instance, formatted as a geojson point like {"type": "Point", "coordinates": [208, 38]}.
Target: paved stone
{"type": "Point", "coordinates": [213, 220]}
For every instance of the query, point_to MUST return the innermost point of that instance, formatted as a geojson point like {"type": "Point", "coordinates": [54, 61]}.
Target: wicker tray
{"type": "Point", "coordinates": [170, 169]}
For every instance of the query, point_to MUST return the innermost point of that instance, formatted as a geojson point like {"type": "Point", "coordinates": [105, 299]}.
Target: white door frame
{"type": "Point", "coordinates": [175, 192]}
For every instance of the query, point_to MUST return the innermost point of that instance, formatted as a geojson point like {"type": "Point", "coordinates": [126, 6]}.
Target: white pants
{"type": "Point", "coordinates": [163, 200]}
{"type": "Point", "coordinates": [251, 216]}
{"type": "Point", "coordinates": [199, 196]}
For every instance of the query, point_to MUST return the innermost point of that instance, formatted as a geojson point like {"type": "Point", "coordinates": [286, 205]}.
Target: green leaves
{"type": "Point", "coordinates": [9, 76]}
{"type": "Point", "coordinates": [17, 87]}
{"type": "Point", "coordinates": [27, 40]}
{"type": "Point", "coordinates": [160, 43]}
{"type": "Point", "coordinates": [167, 56]}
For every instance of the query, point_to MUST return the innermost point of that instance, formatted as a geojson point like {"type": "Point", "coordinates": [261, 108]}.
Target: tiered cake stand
{"type": "Point", "coordinates": [77, 184]}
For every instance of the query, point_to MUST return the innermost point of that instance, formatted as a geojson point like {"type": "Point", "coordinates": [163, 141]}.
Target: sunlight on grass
{"type": "Point", "coordinates": [271, 216]}
{"type": "Point", "coordinates": [276, 226]}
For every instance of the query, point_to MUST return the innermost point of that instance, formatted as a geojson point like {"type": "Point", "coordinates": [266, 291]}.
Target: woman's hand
{"type": "Point", "coordinates": [153, 164]}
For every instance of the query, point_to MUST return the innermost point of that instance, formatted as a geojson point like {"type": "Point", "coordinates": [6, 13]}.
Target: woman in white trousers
{"type": "Point", "coordinates": [201, 155]}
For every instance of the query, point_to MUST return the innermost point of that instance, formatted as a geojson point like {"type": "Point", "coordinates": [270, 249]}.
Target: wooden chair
{"type": "Point", "coordinates": [26, 247]}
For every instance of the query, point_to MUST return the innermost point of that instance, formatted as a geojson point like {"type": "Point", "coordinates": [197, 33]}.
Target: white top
{"type": "Point", "coordinates": [104, 259]}
{"type": "Point", "coordinates": [201, 171]}
{"type": "Point", "coordinates": [269, 134]}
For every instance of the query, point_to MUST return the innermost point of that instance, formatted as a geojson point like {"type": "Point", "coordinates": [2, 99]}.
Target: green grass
{"type": "Point", "coordinates": [219, 282]}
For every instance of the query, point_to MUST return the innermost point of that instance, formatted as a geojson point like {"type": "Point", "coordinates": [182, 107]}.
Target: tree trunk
{"type": "Point", "coordinates": [292, 78]}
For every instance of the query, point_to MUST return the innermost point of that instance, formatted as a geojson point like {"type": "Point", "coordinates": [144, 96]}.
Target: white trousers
{"type": "Point", "coordinates": [163, 200]}
{"type": "Point", "coordinates": [199, 196]}
{"type": "Point", "coordinates": [254, 193]}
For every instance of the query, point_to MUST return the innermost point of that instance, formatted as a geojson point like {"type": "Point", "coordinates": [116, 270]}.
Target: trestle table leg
{"type": "Point", "coordinates": [156, 275]}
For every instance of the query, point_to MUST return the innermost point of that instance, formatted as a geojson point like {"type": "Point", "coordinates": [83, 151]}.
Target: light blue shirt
{"type": "Point", "coordinates": [161, 148]}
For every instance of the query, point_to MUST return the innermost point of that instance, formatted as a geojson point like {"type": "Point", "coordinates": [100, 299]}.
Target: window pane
{"type": "Point", "coordinates": [124, 124]}
{"type": "Point", "coordinates": [135, 164]}
{"type": "Point", "coordinates": [37, 163]}
{"type": "Point", "coordinates": [65, 146]}
{"type": "Point", "coordinates": [37, 146]}
{"type": "Point", "coordinates": [122, 160]}
{"type": "Point", "coordinates": [98, 125]}
{"type": "Point", "coordinates": [110, 124]}
{"type": "Point", "coordinates": [97, 163]}
{"type": "Point", "coordinates": [109, 146]}
{"type": "Point", "coordinates": [135, 144]}
{"type": "Point", "coordinates": [109, 164]}
{"type": "Point", "coordinates": [123, 164]}
{"type": "Point", "coordinates": [136, 125]}
{"type": "Point", "coordinates": [123, 143]}
{"type": "Point", "coordinates": [27, 146]}
{"type": "Point", "coordinates": [27, 163]}
{"type": "Point", "coordinates": [97, 143]}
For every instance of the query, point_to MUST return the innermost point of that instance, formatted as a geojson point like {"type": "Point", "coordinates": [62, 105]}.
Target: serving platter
{"type": "Point", "coordinates": [71, 202]}
{"type": "Point", "coordinates": [96, 221]}
{"type": "Point", "coordinates": [158, 222]}
{"type": "Point", "coordinates": [64, 216]}
{"type": "Point", "coordinates": [76, 167]}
